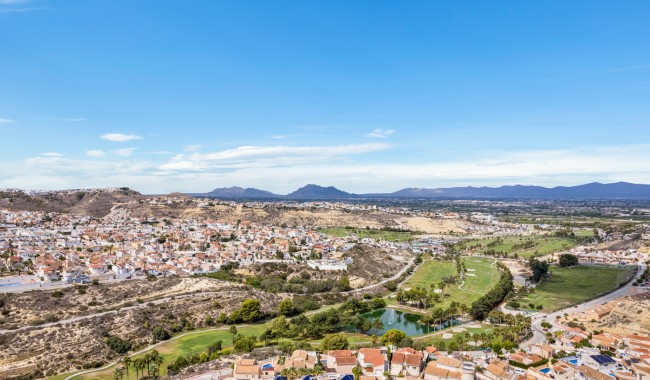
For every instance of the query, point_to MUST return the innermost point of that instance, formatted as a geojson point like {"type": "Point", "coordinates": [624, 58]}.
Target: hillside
{"type": "Point", "coordinates": [93, 202]}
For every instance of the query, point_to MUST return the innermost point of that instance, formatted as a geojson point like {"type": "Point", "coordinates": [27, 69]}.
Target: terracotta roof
{"type": "Point", "coordinates": [431, 349]}
{"type": "Point", "coordinates": [413, 360]}
{"type": "Point", "coordinates": [245, 362]}
{"type": "Point", "coordinates": [592, 373]}
{"type": "Point", "coordinates": [398, 358]}
{"type": "Point", "coordinates": [449, 361]}
{"type": "Point", "coordinates": [345, 360]}
{"type": "Point", "coordinates": [338, 353]}
{"type": "Point", "coordinates": [497, 367]}
{"type": "Point", "coordinates": [434, 370]}
{"type": "Point", "coordinates": [370, 351]}
{"type": "Point", "coordinates": [374, 359]}
{"type": "Point", "coordinates": [248, 370]}
{"type": "Point", "coordinates": [406, 349]}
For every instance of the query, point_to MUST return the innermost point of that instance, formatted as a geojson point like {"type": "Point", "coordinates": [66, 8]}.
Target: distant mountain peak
{"type": "Point", "coordinates": [594, 190]}
{"type": "Point", "coordinates": [312, 191]}
{"type": "Point", "coordinates": [235, 192]}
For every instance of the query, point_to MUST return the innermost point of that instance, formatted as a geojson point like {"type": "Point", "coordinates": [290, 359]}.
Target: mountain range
{"type": "Point", "coordinates": [595, 190]}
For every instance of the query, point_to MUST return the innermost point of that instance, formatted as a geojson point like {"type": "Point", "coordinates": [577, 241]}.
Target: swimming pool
{"type": "Point", "coordinates": [545, 370]}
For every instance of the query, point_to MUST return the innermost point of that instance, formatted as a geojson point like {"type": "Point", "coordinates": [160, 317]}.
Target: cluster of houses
{"type": "Point", "coordinates": [540, 362]}
{"type": "Point", "coordinates": [577, 354]}
{"type": "Point", "coordinates": [373, 364]}
{"type": "Point", "coordinates": [587, 255]}
{"type": "Point", "coordinates": [75, 249]}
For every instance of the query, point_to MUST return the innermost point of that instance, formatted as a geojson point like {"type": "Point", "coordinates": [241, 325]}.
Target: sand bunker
{"type": "Point", "coordinates": [459, 330]}
{"type": "Point", "coordinates": [447, 336]}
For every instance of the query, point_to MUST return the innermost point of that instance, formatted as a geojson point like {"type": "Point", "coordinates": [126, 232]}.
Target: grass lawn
{"type": "Point", "coordinates": [196, 342]}
{"type": "Point", "coordinates": [193, 343]}
{"type": "Point", "coordinates": [486, 277]}
{"type": "Point", "coordinates": [394, 236]}
{"type": "Point", "coordinates": [523, 246]}
{"type": "Point", "coordinates": [570, 286]}
{"type": "Point", "coordinates": [430, 271]}
{"type": "Point", "coordinates": [60, 376]}
{"type": "Point", "coordinates": [437, 338]}
{"type": "Point", "coordinates": [585, 233]}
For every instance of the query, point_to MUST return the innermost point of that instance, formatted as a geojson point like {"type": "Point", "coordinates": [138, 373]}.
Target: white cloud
{"type": "Point", "coordinates": [268, 156]}
{"type": "Point", "coordinates": [282, 169]}
{"type": "Point", "coordinates": [381, 133]}
{"type": "Point", "coordinates": [124, 152]}
{"type": "Point", "coordinates": [95, 153]}
{"type": "Point", "coordinates": [6, 121]}
{"type": "Point", "coordinates": [192, 148]}
{"type": "Point", "coordinates": [120, 137]}
{"type": "Point", "coordinates": [52, 154]}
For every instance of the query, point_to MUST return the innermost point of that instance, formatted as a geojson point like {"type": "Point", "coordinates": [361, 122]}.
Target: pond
{"type": "Point", "coordinates": [407, 322]}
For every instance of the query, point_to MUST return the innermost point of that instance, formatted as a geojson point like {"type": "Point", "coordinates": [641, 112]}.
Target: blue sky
{"type": "Point", "coordinates": [363, 95]}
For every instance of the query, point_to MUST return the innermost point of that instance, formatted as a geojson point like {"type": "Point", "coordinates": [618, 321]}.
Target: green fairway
{"type": "Point", "coordinates": [194, 342]}
{"type": "Point", "coordinates": [570, 286]}
{"type": "Point", "coordinates": [430, 271]}
{"type": "Point", "coordinates": [486, 276]}
{"type": "Point", "coordinates": [189, 344]}
{"type": "Point", "coordinates": [481, 276]}
{"type": "Point", "coordinates": [522, 246]}
{"type": "Point", "coordinates": [386, 235]}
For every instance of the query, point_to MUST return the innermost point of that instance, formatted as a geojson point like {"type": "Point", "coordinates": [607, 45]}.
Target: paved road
{"type": "Point", "coordinates": [386, 280]}
{"type": "Point", "coordinates": [539, 336]}
{"type": "Point", "coordinates": [167, 299]}
{"type": "Point", "coordinates": [147, 349]}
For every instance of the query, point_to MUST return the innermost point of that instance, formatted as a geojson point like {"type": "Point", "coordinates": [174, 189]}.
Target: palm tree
{"type": "Point", "coordinates": [118, 374]}
{"type": "Point", "coordinates": [127, 362]}
{"type": "Point", "coordinates": [233, 331]}
{"type": "Point", "coordinates": [136, 365]}
{"type": "Point", "coordinates": [442, 285]}
{"type": "Point", "coordinates": [156, 358]}
{"type": "Point", "coordinates": [147, 361]}
{"type": "Point", "coordinates": [378, 325]}
{"type": "Point", "coordinates": [143, 363]}
{"type": "Point", "coordinates": [460, 340]}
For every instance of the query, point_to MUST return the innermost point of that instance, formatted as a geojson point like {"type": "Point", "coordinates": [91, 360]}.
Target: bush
{"type": "Point", "coordinates": [118, 344]}
{"type": "Point", "coordinates": [568, 260]}
{"type": "Point", "coordinates": [245, 344]}
{"type": "Point", "coordinates": [391, 285]}
{"type": "Point", "coordinates": [160, 334]}
{"type": "Point", "coordinates": [481, 307]}
{"type": "Point", "coordinates": [526, 366]}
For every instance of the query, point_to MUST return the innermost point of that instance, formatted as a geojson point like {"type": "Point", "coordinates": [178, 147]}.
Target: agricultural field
{"type": "Point", "coordinates": [481, 276]}
{"type": "Point", "coordinates": [574, 221]}
{"type": "Point", "coordinates": [570, 286]}
{"type": "Point", "coordinates": [519, 246]}
{"type": "Point", "coordinates": [377, 234]}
